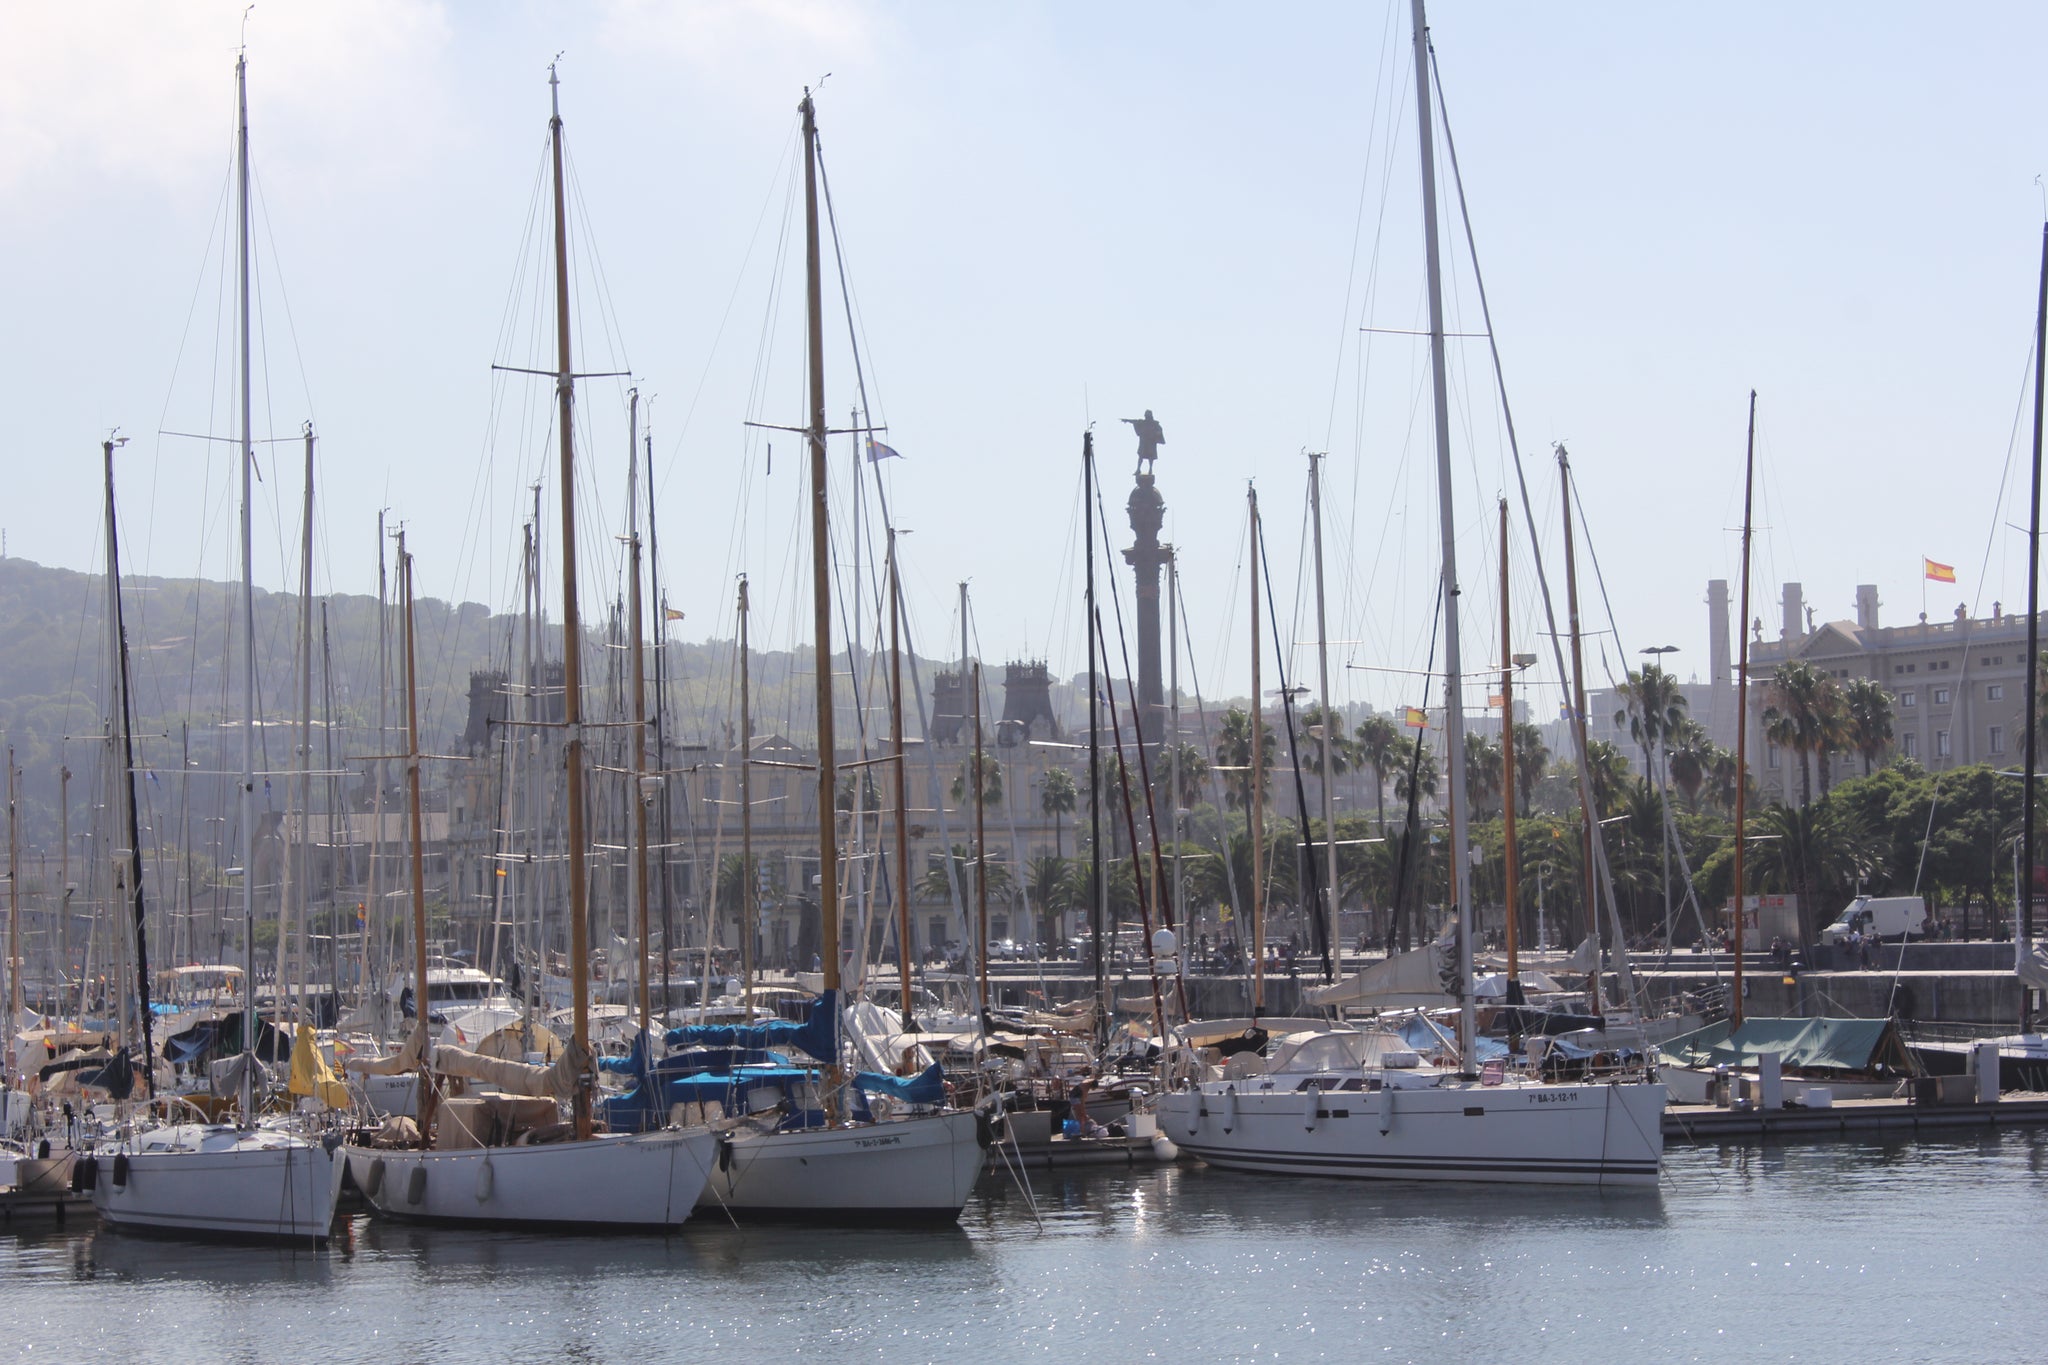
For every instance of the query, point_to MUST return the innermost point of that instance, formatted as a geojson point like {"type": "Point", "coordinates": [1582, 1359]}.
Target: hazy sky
{"type": "Point", "coordinates": [1051, 214]}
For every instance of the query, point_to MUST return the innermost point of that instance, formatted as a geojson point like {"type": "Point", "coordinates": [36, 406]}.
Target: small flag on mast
{"type": "Point", "coordinates": [877, 452]}
{"type": "Point", "coordinates": [1937, 573]}
{"type": "Point", "coordinates": [671, 614]}
{"type": "Point", "coordinates": [1416, 719]}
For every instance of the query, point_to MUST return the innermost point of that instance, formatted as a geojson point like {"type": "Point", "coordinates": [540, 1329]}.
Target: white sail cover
{"type": "Point", "coordinates": [2031, 962]}
{"type": "Point", "coordinates": [517, 1078]}
{"type": "Point", "coordinates": [1420, 979]}
{"type": "Point", "coordinates": [407, 1058]}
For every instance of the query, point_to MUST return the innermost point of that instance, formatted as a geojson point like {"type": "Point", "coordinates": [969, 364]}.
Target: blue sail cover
{"type": "Point", "coordinates": [817, 1037]}
{"type": "Point", "coordinates": [926, 1087]}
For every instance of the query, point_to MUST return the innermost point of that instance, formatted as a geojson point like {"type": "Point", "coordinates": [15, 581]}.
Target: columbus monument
{"type": "Point", "coordinates": [1146, 557]}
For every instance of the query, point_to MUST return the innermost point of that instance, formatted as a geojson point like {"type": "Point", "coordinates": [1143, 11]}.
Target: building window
{"type": "Point", "coordinates": [1941, 749]}
{"type": "Point", "coordinates": [1912, 668]}
{"type": "Point", "coordinates": [1909, 744]}
{"type": "Point", "coordinates": [1909, 699]}
{"type": "Point", "coordinates": [1995, 692]}
{"type": "Point", "coordinates": [1998, 739]}
{"type": "Point", "coordinates": [1941, 696]}
{"type": "Point", "coordinates": [1771, 752]}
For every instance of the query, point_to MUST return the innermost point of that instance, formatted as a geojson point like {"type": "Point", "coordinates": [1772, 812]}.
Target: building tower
{"type": "Point", "coordinates": [1147, 557]}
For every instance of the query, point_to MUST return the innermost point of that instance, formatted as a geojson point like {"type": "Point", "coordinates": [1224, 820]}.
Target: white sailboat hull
{"type": "Point", "coordinates": [1595, 1134]}
{"type": "Point", "coordinates": [611, 1182]}
{"type": "Point", "coordinates": [911, 1170]}
{"type": "Point", "coordinates": [257, 1186]}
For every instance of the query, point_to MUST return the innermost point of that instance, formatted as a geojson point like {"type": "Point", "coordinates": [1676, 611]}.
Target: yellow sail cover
{"type": "Point", "coordinates": [312, 1076]}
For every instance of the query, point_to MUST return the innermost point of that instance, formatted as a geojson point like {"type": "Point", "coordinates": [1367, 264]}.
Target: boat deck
{"type": "Point", "coordinates": [1845, 1118]}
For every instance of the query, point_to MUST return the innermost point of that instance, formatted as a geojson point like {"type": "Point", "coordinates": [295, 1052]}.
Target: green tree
{"type": "Point", "coordinates": [1532, 760]}
{"type": "Point", "coordinates": [1234, 756]}
{"type": "Point", "coordinates": [1803, 715]}
{"type": "Point", "coordinates": [1653, 708]}
{"type": "Point", "coordinates": [1057, 797]}
{"type": "Point", "coordinates": [984, 765]}
{"type": "Point", "coordinates": [1415, 767]}
{"type": "Point", "coordinates": [1485, 770]}
{"type": "Point", "coordinates": [1319, 725]}
{"type": "Point", "coordinates": [1869, 712]}
{"type": "Point", "coordinates": [1818, 852]}
{"type": "Point", "coordinates": [1377, 745]}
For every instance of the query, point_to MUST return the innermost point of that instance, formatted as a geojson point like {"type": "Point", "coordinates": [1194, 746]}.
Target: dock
{"type": "Point", "coordinates": [1850, 1118]}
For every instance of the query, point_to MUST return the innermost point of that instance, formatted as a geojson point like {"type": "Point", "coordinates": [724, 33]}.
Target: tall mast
{"type": "Point", "coordinates": [1098, 901]}
{"type": "Point", "coordinates": [1173, 754]}
{"type": "Point", "coordinates": [1742, 703]}
{"type": "Point", "coordinates": [373, 913]}
{"type": "Point", "coordinates": [13, 921]}
{"type": "Point", "coordinates": [821, 581]}
{"type": "Point", "coordinates": [901, 784]}
{"type": "Point", "coordinates": [248, 795]}
{"type": "Point", "coordinates": [747, 926]}
{"type": "Point", "coordinates": [1590, 830]}
{"type": "Point", "coordinates": [642, 790]}
{"type": "Point", "coordinates": [414, 818]}
{"type": "Point", "coordinates": [122, 747]}
{"type": "Point", "coordinates": [1255, 818]}
{"type": "Point", "coordinates": [1333, 728]}
{"type": "Point", "coordinates": [1454, 710]}
{"type": "Point", "coordinates": [661, 840]}
{"type": "Point", "coordinates": [974, 776]}
{"type": "Point", "coordinates": [300, 846]}
{"type": "Point", "coordinates": [2023, 941]}
{"type": "Point", "coordinates": [1511, 866]}
{"type": "Point", "coordinates": [572, 629]}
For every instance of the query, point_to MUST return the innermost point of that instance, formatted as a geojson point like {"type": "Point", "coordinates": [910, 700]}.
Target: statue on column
{"type": "Point", "coordinates": [1150, 438]}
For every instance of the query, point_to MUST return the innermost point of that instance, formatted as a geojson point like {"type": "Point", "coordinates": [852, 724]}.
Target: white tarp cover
{"type": "Point", "coordinates": [517, 1078]}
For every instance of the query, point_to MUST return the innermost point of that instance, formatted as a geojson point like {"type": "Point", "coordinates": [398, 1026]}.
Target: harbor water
{"type": "Point", "coordinates": [1923, 1250]}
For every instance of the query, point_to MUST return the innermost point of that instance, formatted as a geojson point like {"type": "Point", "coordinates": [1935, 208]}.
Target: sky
{"type": "Point", "coordinates": [1050, 215]}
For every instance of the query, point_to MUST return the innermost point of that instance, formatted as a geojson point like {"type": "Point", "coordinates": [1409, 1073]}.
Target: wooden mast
{"type": "Point", "coordinates": [1255, 825]}
{"type": "Point", "coordinates": [821, 580]}
{"type": "Point", "coordinates": [419, 873]}
{"type": "Point", "coordinates": [572, 630]}
{"type": "Point", "coordinates": [1742, 708]}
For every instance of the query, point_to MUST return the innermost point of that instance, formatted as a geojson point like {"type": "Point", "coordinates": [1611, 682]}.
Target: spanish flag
{"type": "Point", "coordinates": [1938, 573]}
{"type": "Point", "coordinates": [1416, 719]}
{"type": "Point", "coordinates": [671, 614]}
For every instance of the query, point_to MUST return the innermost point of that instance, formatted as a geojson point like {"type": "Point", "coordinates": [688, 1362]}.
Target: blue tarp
{"type": "Point", "coordinates": [816, 1037]}
{"type": "Point", "coordinates": [1421, 1035]}
{"type": "Point", "coordinates": [927, 1087]}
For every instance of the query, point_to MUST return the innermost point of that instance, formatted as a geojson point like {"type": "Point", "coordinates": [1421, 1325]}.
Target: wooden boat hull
{"type": "Point", "coordinates": [911, 1170]}
{"type": "Point", "coordinates": [613, 1182]}
{"type": "Point", "coordinates": [1595, 1134]}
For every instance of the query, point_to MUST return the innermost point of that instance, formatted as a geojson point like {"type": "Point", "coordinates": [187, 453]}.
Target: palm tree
{"type": "Point", "coordinates": [1377, 745]}
{"type": "Point", "coordinates": [1046, 885]}
{"type": "Point", "coordinates": [936, 887]}
{"type": "Point", "coordinates": [1415, 767]}
{"type": "Point", "coordinates": [1532, 757]}
{"type": "Point", "coordinates": [1194, 773]}
{"type": "Point", "coordinates": [1802, 715]}
{"type": "Point", "coordinates": [1057, 797]}
{"type": "Point", "coordinates": [989, 769]}
{"type": "Point", "coordinates": [1484, 769]}
{"type": "Point", "coordinates": [1817, 852]}
{"type": "Point", "coordinates": [1688, 756]}
{"type": "Point", "coordinates": [1869, 709]}
{"type": "Point", "coordinates": [1319, 724]}
{"type": "Point", "coordinates": [1234, 752]}
{"type": "Point", "coordinates": [1654, 706]}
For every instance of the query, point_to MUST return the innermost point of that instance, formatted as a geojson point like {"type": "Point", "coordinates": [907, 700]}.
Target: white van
{"type": "Point", "coordinates": [1883, 917]}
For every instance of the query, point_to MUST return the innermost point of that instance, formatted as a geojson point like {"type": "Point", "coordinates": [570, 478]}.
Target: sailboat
{"type": "Point", "coordinates": [1360, 1103]}
{"type": "Point", "coordinates": [917, 1168]}
{"type": "Point", "coordinates": [506, 1160]}
{"type": "Point", "coordinates": [240, 1180]}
